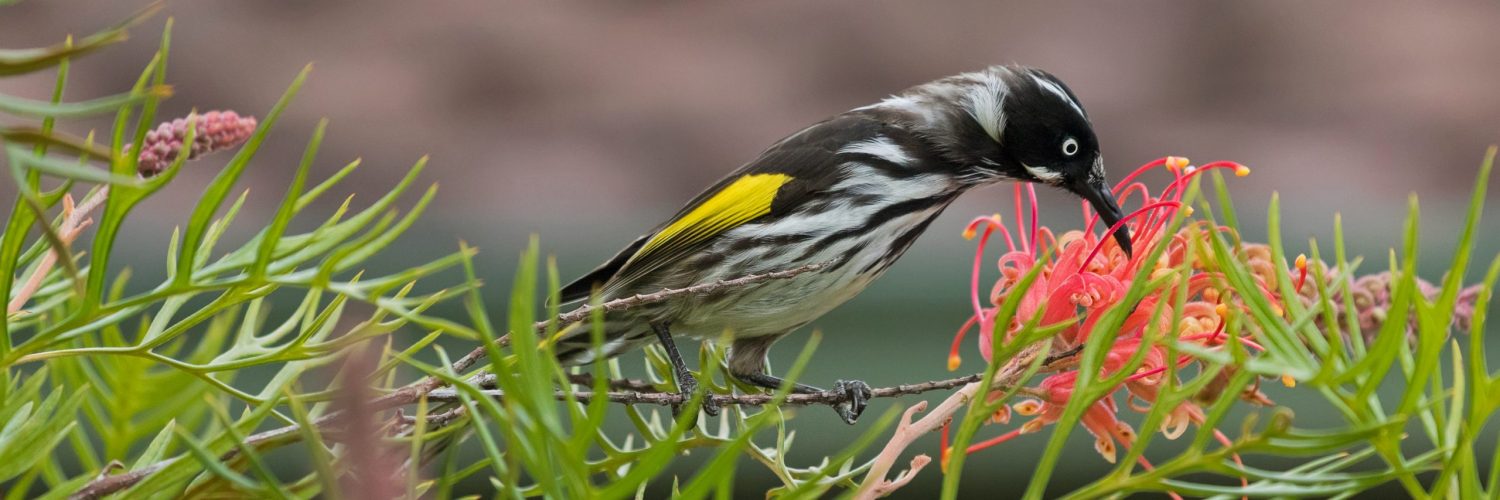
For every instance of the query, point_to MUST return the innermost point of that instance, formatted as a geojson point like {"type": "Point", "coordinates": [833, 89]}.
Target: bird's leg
{"type": "Point", "coordinates": [747, 362]}
{"type": "Point", "coordinates": [686, 383]}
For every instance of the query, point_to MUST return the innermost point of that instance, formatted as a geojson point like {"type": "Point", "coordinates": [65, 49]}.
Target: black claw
{"type": "Point", "coordinates": [858, 394]}
{"type": "Point", "coordinates": [709, 406]}
{"type": "Point", "coordinates": [687, 385]}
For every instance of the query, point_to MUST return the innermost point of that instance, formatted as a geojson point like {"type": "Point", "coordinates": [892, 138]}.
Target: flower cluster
{"type": "Point", "coordinates": [213, 131]}
{"type": "Point", "coordinates": [1372, 300]}
{"type": "Point", "coordinates": [1082, 274]}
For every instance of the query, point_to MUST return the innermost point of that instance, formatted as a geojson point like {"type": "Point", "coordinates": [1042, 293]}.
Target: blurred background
{"type": "Point", "coordinates": [588, 123]}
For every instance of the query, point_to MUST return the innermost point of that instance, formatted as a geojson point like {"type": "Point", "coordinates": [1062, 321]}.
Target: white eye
{"type": "Point", "coordinates": [1070, 147]}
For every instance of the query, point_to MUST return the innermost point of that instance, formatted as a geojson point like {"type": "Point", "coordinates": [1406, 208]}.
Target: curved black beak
{"type": "Point", "coordinates": [1099, 196]}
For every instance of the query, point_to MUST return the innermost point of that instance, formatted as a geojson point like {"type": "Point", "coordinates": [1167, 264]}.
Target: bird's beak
{"type": "Point", "coordinates": [1103, 201]}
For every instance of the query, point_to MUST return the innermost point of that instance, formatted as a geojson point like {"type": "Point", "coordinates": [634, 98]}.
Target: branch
{"type": "Point", "coordinates": [487, 381]}
{"type": "Point", "coordinates": [883, 487]}
{"type": "Point", "coordinates": [74, 219]}
{"type": "Point", "coordinates": [827, 398]}
{"type": "Point", "coordinates": [413, 392]}
{"type": "Point", "coordinates": [876, 485]}
{"type": "Point", "coordinates": [106, 484]}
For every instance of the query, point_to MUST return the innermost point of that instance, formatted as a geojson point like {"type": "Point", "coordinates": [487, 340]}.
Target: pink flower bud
{"type": "Point", "coordinates": [214, 131]}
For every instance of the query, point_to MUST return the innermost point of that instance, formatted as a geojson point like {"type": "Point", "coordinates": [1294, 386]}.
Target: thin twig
{"type": "Point", "coordinates": [434, 420]}
{"type": "Point", "coordinates": [75, 219]}
{"type": "Point", "coordinates": [487, 381]}
{"type": "Point", "coordinates": [828, 398]}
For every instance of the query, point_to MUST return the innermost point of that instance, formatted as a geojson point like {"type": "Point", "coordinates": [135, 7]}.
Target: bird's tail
{"type": "Point", "coordinates": [574, 344]}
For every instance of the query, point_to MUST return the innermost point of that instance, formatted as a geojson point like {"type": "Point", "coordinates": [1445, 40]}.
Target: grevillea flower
{"type": "Point", "coordinates": [1084, 273]}
{"type": "Point", "coordinates": [213, 131]}
{"type": "Point", "coordinates": [1372, 300]}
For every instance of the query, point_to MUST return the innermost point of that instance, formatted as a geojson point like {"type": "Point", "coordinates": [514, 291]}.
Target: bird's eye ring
{"type": "Point", "coordinates": [1070, 146]}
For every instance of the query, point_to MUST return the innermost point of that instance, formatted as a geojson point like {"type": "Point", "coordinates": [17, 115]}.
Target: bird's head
{"type": "Point", "coordinates": [1021, 124]}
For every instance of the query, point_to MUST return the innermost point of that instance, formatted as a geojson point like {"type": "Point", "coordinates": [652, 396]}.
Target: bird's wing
{"type": "Point", "coordinates": [784, 177]}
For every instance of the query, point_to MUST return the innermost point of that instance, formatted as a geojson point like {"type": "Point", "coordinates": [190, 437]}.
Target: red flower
{"type": "Point", "coordinates": [1083, 274]}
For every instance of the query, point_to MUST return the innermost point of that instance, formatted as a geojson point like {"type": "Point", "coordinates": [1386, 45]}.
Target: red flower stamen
{"type": "Point", "coordinates": [943, 445]}
{"type": "Point", "coordinates": [1181, 182]}
{"type": "Point", "coordinates": [994, 222]}
{"type": "Point", "coordinates": [1020, 216]}
{"type": "Point", "coordinates": [1116, 227]}
{"type": "Point", "coordinates": [1204, 336]}
{"type": "Point", "coordinates": [1123, 198]}
{"type": "Point", "coordinates": [1143, 168]}
{"type": "Point", "coordinates": [1031, 195]}
{"type": "Point", "coordinates": [993, 441]}
{"type": "Point", "coordinates": [953, 358]}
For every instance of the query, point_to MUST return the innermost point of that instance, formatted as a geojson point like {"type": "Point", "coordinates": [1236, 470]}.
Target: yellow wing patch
{"type": "Point", "coordinates": [742, 200]}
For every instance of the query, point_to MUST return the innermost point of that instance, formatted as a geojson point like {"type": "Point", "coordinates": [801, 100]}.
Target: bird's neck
{"type": "Point", "coordinates": [944, 136]}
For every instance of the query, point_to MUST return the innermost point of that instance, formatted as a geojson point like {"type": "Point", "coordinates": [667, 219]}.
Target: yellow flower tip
{"type": "Point", "coordinates": [1187, 211]}
{"type": "Point", "coordinates": [953, 362]}
{"type": "Point", "coordinates": [973, 229]}
{"type": "Point", "coordinates": [1301, 261]}
{"type": "Point", "coordinates": [1222, 310]}
{"type": "Point", "coordinates": [1175, 425]}
{"type": "Point", "coordinates": [1241, 171]}
{"type": "Point", "coordinates": [1031, 426]}
{"type": "Point", "coordinates": [1176, 162]}
{"type": "Point", "coordinates": [1287, 380]}
{"type": "Point", "coordinates": [943, 459]}
{"type": "Point", "coordinates": [1106, 449]}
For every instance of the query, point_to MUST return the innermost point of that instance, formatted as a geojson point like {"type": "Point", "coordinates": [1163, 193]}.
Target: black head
{"type": "Point", "coordinates": [1026, 125]}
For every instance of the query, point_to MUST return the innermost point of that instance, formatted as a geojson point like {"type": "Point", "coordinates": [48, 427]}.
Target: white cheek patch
{"type": "Point", "coordinates": [1043, 173]}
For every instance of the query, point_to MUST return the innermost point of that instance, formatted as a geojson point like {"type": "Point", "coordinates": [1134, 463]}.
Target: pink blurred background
{"type": "Point", "coordinates": [627, 109]}
{"type": "Point", "coordinates": [587, 123]}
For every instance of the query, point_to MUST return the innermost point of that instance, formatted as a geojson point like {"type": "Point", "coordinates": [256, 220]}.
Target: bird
{"type": "Point", "coordinates": [847, 196]}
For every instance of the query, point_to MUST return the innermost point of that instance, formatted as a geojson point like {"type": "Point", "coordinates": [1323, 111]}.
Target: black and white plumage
{"type": "Point", "coordinates": [854, 192]}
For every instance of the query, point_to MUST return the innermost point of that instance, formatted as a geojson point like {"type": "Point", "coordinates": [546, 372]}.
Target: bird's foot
{"type": "Point", "coordinates": [858, 396]}
{"type": "Point", "coordinates": [687, 385]}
